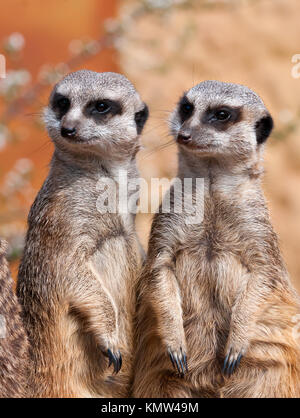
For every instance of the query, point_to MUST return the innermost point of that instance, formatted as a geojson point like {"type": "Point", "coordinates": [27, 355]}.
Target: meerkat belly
{"type": "Point", "coordinates": [209, 285]}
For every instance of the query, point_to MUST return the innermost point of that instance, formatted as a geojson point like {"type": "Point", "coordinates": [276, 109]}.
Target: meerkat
{"type": "Point", "coordinates": [80, 263]}
{"type": "Point", "coordinates": [214, 297]}
{"type": "Point", "coordinates": [13, 339]}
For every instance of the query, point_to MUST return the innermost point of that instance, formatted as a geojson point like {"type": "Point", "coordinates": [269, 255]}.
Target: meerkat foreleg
{"type": "Point", "coordinates": [242, 321]}
{"type": "Point", "coordinates": [92, 302]}
{"type": "Point", "coordinates": [166, 302]}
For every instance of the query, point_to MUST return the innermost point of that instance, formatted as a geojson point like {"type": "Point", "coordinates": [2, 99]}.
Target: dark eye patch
{"type": "Point", "coordinates": [222, 117]}
{"type": "Point", "coordinates": [60, 104]}
{"type": "Point", "coordinates": [185, 109]}
{"type": "Point", "coordinates": [141, 118]}
{"type": "Point", "coordinates": [103, 108]}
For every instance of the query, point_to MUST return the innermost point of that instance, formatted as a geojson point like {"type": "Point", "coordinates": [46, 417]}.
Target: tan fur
{"type": "Point", "coordinates": [221, 283]}
{"type": "Point", "coordinates": [79, 266]}
{"type": "Point", "coordinates": [13, 340]}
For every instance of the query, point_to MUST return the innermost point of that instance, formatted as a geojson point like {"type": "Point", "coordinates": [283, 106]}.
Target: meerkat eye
{"type": "Point", "coordinates": [102, 107]}
{"type": "Point", "coordinates": [222, 115]}
{"type": "Point", "coordinates": [61, 104]}
{"type": "Point", "coordinates": [186, 109]}
{"type": "Point", "coordinates": [222, 118]}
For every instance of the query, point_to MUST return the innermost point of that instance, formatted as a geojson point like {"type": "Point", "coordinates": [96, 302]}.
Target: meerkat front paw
{"type": "Point", "coordinates": [179, 360]}
{"type": "Point", "coordinates": [110, 350]}
{"type": "Point", "coordinates": [234, 354]}
{"type": "Point", "coordinates": [115, 358]}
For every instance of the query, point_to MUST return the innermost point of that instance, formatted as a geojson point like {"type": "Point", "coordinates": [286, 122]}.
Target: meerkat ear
{"type": "Point", "coordinates": [141, 118]}
{"type": "Point", "coordinates": [263, 128]}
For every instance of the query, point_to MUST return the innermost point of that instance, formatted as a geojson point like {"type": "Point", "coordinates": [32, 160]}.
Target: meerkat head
{"type": "Point", "coordinates": [100, 113]}
{"type": "Point", "coordinates": [219, 120]}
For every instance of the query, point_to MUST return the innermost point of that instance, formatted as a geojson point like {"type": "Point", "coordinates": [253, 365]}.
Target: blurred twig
{"type": "Point", "coordinates": [114, 31]}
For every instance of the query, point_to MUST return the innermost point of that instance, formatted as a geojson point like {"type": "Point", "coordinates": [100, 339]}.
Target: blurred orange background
{"type": "Point", "coordinates": [164, 47]}
{"type": "Point", "coordinates": [48, 30]}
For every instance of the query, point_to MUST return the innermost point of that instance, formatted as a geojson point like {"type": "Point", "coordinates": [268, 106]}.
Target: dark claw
{"type": "Point", "coordinates": [231, 369]}
{"type": "Point", "coordinates": [182, 367]}
{"type": "Point", "coordinates": [120, 361]}
{"type": "Point", "coordinates": [115, 359]}
{"type": "Point", "coordinates": [179, 362]}
{"type": "Point", "coordinates": [177, 365]}
{"type": "Point", "coordinates": [225, 362]}
{"type": "Point", "coordinates": [172, 359]}
{"type": "Point", "coordinates": [110, 357]}
{"type": "Point", "coordinates": [230, 366]}
{"type": "Point", "coordinates": [185, 363]}
{"type": "Point", "coordinates": [238, 360]}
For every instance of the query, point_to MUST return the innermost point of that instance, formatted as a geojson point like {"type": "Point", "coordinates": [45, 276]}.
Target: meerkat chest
{"type": "Point", "coordinates": [115, 262]}
{"type": "Point", "coordinates": [211, 259]}
{"type": "Point", "coordinates": [214, 238]}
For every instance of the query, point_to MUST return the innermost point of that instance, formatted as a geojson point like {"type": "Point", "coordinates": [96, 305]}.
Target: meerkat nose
{"type": "Point", "coordinates": [68, 132]}
{"type": "Point", "coordinates": [183, 138]}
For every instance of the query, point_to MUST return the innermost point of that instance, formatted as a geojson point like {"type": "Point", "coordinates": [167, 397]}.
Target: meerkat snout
{"type": "Point", "coordinates": [96, 112]}
{"type": "Point", "coordinates": [68, 132]}
{"type": "Point", "coordinates": [215, 118]}
{"type": "Point", "coordinates": [183, 138]}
